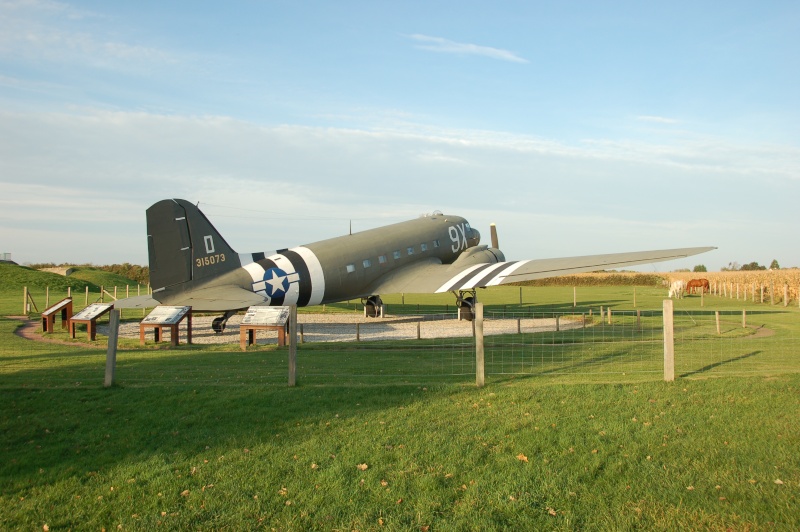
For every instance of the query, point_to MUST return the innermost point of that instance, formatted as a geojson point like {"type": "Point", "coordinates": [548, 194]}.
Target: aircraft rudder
{"type": "Point", "coordinates": [183, 245]}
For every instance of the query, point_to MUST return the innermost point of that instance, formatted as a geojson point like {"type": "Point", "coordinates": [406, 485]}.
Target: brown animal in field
{"type": "Point", "coordinates": [694, 284]}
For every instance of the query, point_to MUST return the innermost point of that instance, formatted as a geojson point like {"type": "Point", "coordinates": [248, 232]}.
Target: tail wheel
{"type": "Point", "coordinates": [218, 325]}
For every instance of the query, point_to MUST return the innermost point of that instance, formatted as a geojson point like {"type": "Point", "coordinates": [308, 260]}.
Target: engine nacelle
{"type": "Point", "coordinates": [479, 255]}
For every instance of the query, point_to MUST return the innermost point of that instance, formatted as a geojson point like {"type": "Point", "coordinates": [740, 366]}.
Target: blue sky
{"type": "Point", "coordinates": [578, 127]}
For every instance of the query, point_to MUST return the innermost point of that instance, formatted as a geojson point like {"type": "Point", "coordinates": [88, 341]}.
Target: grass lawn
{"type": "Point", "coordinates": [211, 438]}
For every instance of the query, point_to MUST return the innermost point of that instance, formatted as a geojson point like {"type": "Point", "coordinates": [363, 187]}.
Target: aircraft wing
{"type": "Point", "coordinates": [212, 299]}
{"type": "Point", "coordinates": [434, 277]}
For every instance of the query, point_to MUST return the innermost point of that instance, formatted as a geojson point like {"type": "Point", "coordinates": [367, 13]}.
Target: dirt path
{"type": "Point", "coordinates": [30, 331]}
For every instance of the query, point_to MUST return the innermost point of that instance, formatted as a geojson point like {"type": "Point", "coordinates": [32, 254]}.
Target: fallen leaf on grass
{"type": "Point", "coordinates": [314, 466]}
{"type": "Point", "coordinates": [185, 493]}
{"type": "Point", "coordinates": [690, 488]}
{"type": "Point", "coordinates": [362, 467]}
{"type": "Point", "coordinates": [779, 482]}
{"type": "Point", "coordinates": [551, 511]}
{"type": "Point", "coordinates": [522, 458]}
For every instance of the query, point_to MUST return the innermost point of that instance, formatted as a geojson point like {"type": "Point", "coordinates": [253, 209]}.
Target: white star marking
{"type": "Point", "coordinates": [276, 282]}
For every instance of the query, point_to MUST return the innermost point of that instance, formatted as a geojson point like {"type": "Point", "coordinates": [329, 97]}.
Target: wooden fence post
{"type": "Point", "coordinates": [292, 345]}
{"type": "Point", "coordinates": [744, 318]}
{"type": "Point", "coordinates": [785, 295]}
{"type": "Point", "coordinates": [25, 300]}
{"type": "Point", "coordinates": [716, 316]}
{"type": "Point", "coordinates": [479, 353]}
{"type": "Point", "coordinates": [669, 342]}
{"type": "Point", "coordinates": [111, 351]}
{"type": "Point", "coordinates": [574, 297]}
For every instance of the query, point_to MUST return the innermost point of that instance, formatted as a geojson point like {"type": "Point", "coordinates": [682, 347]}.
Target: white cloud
{"type": "Point", "coordinates": [439, 44]}
{"type": "Point", "coordinates": [43, 31]}
{"type": "Point", "coordinates": [95, 172]}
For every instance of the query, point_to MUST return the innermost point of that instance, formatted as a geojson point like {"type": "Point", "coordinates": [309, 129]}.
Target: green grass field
{"type": "Point", "coordinates": [209, 437]}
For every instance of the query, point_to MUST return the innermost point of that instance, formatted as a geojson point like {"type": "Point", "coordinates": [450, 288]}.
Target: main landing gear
{"type": "Point", "coordinates": [465, 301]}
{"type": "Point", "coordinates": [373, 307]}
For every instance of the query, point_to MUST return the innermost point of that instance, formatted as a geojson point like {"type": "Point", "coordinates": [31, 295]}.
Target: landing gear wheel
{"type": "Point", "coordinates": [218, 325]}
{"type": "Point", "coordinates": [466, 308]}
{"type": "Point", "coordinates": [373, 307]}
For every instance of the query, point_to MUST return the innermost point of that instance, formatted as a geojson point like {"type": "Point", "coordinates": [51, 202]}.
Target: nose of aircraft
{"type": "Point", "coordinates": [474, 237]}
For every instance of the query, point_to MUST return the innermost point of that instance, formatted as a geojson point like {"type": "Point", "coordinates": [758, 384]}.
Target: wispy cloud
{"type": "Point", "coordinates": [657, 119]}
{"type": "Point", "coordinates": [53, 32]}
{"type": "Point", "coordinates": [439, 44]}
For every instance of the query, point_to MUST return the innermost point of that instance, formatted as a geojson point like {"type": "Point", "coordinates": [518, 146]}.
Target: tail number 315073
{"type": "Point", "coordinates": [208, 260]}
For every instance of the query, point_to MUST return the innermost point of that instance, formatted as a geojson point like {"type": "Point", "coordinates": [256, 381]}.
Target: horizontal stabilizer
{"type": "Point", "coordinates": [136, 302]}
{"type": "Point", "coordinates": [218, 298]}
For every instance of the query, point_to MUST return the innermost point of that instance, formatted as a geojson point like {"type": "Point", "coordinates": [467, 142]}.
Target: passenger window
{"type": "Point", "coordinates": [410, 251]}
{"type": "Point", "coordinates": [382, 259]}
{"type": "Point", "coordinates": [367, 263]}
{"type": "Point", "coordinates": [436, 243]}
{"type": "Point", "coordinates": [396, 254]}
{"type": "Point", "coordinates": [423, 247]}
{"type": "Point", "coordinates": [351, 268]}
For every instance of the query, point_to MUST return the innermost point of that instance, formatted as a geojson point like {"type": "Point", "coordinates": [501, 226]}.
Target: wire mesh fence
{"type": "Point", "coordinates": [343, 349]}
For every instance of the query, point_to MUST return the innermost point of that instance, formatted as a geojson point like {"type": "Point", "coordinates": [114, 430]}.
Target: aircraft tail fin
{"type": "Point", "coordinates": [183, 247]}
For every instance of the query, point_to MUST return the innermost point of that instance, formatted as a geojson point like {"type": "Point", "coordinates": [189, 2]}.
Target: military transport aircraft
{"type": "Point", "coordinates": [192, 265]}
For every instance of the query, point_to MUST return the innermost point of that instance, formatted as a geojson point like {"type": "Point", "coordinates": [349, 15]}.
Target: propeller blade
{"type": "Point", "coordinates": [493, 231]}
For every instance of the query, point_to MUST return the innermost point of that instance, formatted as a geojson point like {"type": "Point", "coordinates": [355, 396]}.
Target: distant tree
{"type": "Point", "coordinates": [731, 267]}
{"type": "Point", "coordinates": [774, 265]}
{"type": "Point", "coordinates": [700, 268]}
{"type": "Point", "coordinates": [752, 267]}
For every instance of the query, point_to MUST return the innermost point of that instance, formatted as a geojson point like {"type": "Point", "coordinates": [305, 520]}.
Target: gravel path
{"type": "Point", "coordinates": [345, 327]}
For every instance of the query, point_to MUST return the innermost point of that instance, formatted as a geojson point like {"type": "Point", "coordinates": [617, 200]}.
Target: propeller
{"type": "Point", "coordinates": [493, 232]}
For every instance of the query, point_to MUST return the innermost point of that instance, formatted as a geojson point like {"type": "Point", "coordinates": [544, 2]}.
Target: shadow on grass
{"type": "Point", "coordinates": [709, 367]}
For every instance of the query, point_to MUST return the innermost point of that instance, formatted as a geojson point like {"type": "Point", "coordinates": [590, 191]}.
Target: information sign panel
{"type": "Point", "coordinates": [93, 311]}
{"type": "Point", "coordinates": [259, 315]}
{"type": "Point", "coordinates": [166, 315]}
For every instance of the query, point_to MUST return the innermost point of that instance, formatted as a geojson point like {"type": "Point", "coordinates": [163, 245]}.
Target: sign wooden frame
{"type": "Point", "coordinates": [89, 316]}
{"type": "Point", "coordinates": [167, 317]}
{"type": "Point", "coordinates": [261, 318]}
{"type": "Point", "coordinates": [49, 315]}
